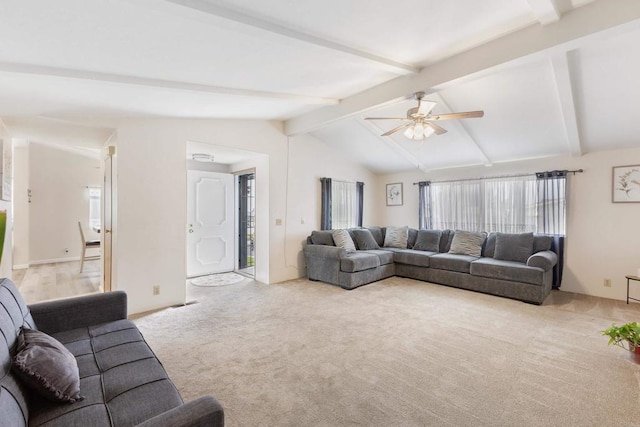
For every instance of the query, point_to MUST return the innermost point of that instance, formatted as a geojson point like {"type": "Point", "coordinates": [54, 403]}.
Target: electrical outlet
{"type": "Point", "coordinates": [607, 283]}
{"type": "Point", "coordinates": [156, 290]}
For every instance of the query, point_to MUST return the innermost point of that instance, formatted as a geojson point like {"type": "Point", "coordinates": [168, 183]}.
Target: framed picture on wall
{"type": "Point", "coordinates": [626, 184]}
{"type": "Point", "coordinates": [394, 194]}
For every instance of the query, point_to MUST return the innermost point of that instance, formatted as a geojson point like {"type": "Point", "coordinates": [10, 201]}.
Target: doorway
{"type": "Point", "coordinates": [246, 224]}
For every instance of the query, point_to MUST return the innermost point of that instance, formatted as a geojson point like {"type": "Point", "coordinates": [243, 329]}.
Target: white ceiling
{"type": "Point", "coordinates": [553, 76]}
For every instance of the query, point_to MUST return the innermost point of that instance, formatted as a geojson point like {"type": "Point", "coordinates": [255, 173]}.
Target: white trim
{"type": "Point", "coordinates": [20, 267]}
{"type": "Point", "coordinates": [53, 260]}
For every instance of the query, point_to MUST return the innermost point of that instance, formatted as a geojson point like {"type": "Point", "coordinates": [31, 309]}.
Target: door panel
{"type": "Point", "coordinates": [107, 219]}
{"type": "Point", "coordinates": [210, 223]}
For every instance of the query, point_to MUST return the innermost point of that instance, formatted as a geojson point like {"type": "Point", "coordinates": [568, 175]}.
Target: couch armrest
{"type": "Point", "coordinates": [205, 411]}
{"type": "Point", "coordinates": [79, 312]}
{"type": "Point", "coordinates": [323, 251]}
{"type": "Point", "coordinates": [544, 260]}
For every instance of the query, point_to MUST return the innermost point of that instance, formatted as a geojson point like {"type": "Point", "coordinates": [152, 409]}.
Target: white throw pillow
{"type": "Point", "coordinates": [343, 239]}
{"type": "Point", "coordinates": [396, 237]}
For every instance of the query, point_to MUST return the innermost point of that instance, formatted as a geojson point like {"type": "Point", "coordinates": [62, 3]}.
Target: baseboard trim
{"type": "Point", "coordinates": [51, 261]}
{"type": "Point", "coordinates": [21, 267]}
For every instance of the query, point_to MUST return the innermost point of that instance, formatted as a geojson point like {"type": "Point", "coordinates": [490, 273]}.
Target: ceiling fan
{"type": "Point", "coordinates": [421, 123]}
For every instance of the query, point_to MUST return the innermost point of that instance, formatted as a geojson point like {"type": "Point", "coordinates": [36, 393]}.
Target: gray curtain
{"type": "Point", "coordinates": [552, 213]}
{"type": "Point", "coordinates": [360, 202]}
{"type": "Point", "coordinates": [325, 215]}
{"type": "Point", "coordinates": [424, 205]}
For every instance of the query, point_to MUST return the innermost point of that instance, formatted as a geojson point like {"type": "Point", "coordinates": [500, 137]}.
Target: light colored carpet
{"type": "Point", "coordinates": [397, 353]}
{"type": "Point", "coordinates": [222, 279]}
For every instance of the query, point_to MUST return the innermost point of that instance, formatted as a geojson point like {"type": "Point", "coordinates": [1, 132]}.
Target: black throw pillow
{"type": "Point", "coordinates": [428, 240]}
{"type": "Point", "coordinates": [47, 367]}
{"type": "Point", "coordinates": [364, 239]}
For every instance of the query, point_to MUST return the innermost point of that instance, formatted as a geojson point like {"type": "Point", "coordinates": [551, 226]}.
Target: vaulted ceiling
{"type": "Point", "coordinates": [552, 76]}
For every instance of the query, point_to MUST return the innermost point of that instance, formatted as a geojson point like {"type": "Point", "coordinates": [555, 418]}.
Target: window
{"type": "Point", "coordinates": [342, 204]}
{"type": "Point", "coordinates": [535, 203]}
{"type": "Point", "coordinates": [94, 207]}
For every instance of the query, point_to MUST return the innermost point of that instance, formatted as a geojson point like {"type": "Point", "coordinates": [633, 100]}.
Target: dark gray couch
{"type": "Point", "coordinates": [529, 281]}
{"type": "Point", "coordinates": [121, 379]}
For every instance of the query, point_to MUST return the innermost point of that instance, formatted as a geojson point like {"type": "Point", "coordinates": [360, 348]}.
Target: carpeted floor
{"type": "Point", "coordinates": [397, 353]}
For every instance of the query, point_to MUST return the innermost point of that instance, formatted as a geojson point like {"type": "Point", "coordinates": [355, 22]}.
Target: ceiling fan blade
{"type": "Point", "coordinates": [465, 115]}
{"type": "Point", "coordinates": [386, 118]}
{"type": "Point", "coordinates": [439, 130]}
{"type": "Point", "coordinates": [425, 107]}
{"type": "Point", "coordinates": [396, 129]}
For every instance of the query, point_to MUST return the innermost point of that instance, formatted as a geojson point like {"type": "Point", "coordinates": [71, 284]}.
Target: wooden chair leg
{"type": "Point", "coordinates": [84, 252]}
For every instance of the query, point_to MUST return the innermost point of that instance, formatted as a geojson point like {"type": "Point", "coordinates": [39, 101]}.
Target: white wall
{"type": "Point", "coordinates": [603, 238]}
{"type": "Point", "coordinates": [151, 193]}
{"type": "Point", "coordinates": [58, 180]}
{"type": "Point", "coordinates": [7, 255]}
{"type": "Point", "coordinates": [21, 206]}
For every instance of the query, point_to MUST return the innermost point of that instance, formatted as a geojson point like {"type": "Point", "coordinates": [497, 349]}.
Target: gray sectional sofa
{"type": "Point", "coordinates": [122, 383]}
{"type": "Point", "coordinates": [529, 279]}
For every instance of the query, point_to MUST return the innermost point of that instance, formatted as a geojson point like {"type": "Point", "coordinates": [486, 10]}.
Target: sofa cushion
{"type": "Point", "coordinates": [47, 367]}
{"type": "Point", "coordinates": [359, 261]}
{"type": "Point", "coordinates": [452, 262]}
{"type": "Point", "coordinates": [396, 237]}
{"type": "Point", "coordinates": [343, 239]}
{"type": "Point", "coordinates": [385, 257]}
{"type": "Point", "coordinates": [324, 237]}
{"type": "Point", "coordinates": [411, 237]}
{"type": "Point", "coordinates": [541, 242]}
{"type": "Point", "coordinates": [507, 270]}
{"type": "Point", "coordinates": [412, 257]}
{"type": "Point", "coordinates": [364, 239]}
{"type": "Point", "coordinates": [377, 234]}
{"type": "Point", "coordinates": [428, 240]}
{"type": "Point", "coordinates": [120, 377]}
{"type": "Point", "coordinates": [513, 247]}
{"type": "Point", "coordinates": [467, 243]}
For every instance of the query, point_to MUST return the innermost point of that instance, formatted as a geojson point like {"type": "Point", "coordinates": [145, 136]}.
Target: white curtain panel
{"type": "Point", "coordinates": [343, 204]}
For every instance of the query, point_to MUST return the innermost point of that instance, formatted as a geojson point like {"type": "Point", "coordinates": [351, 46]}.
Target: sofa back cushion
{"type": "Point", "coordinates": [467, 243]}
{"type": "Point", "coordinates": [364, 240]}
{"type": "Point", "coordinates": [323, 237]}
{"type": "Point", "coordinates": [542, 242]}
{"type": "Point", "coordinates": [489, 247]}
{"type": "Point", "coordinates": [445, 241]}
{"type": "Point", "coordinates": [428, 240]}
{"type": "Point", "coordinates": [396, 237]}
{"type": "Point", "coordinates": [513, 247]}
{"type": "Point", "coordinates": [14, 314]}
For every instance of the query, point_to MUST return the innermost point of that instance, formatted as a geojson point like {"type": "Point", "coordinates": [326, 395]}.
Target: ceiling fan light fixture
{"type": "Point", "coordinates": [409, 132]}
{"type": "Point", "coordinates": [418, 131]}
{"type": "Point", "coordinates": [428, 131]}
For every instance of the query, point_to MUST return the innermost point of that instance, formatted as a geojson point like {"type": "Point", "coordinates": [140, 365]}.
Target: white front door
{"type": "Point", "coordinates": [210, 223]}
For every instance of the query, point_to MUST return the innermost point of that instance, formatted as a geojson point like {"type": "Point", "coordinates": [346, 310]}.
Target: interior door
{"type": "Point", "coordinates": [210, 223]}
{"type": "Point", "coordinates": [107, 217]}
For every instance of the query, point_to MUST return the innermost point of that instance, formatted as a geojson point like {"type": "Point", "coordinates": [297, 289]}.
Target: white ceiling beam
{"type": "Point", "coordinates": [562, 72]}
{"type": "Point", "coordinates": [69, 73]}
{"type": "Point", "coordinates": [545, 11]}
{"type": "Point", "coordinates": [217, 11]}
{"type": "Point", "coordinates": [462, 132]}
{"type": "Point", "coordinates": [377, 132]}
{"type": "Point", "coordinates": [581, 26]}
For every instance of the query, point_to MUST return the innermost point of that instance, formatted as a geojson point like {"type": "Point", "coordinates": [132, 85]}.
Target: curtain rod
{"type": "Point", "coordinates": [498, 176]}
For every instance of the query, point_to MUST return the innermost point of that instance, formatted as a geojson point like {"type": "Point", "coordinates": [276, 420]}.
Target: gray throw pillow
{"type": "Point", "coordinates": [396, 237]}
{"type": "Point", "coordinates": [47, 367]}
{"type": "Point", "coordinates": [376, 232]}
{"type": "Point", "coordinates": [467, 243]}
{"type": "Point", "coordinates": [513, 247]}
{"type": "Point", "coordinates": [411, 237]}
{"type": "Point", "coordinates": [445, 241]}
{"type": "Point", "coordinates": [364, 240]}
{"type": "Point", "coordinates": [489, 245]}
{"type": "Point", "coordinates": [323, 237]}
{"type": "Point", "coordinates": [343, 239]}
{"type": "Point", "coordinates": [428, 240]}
